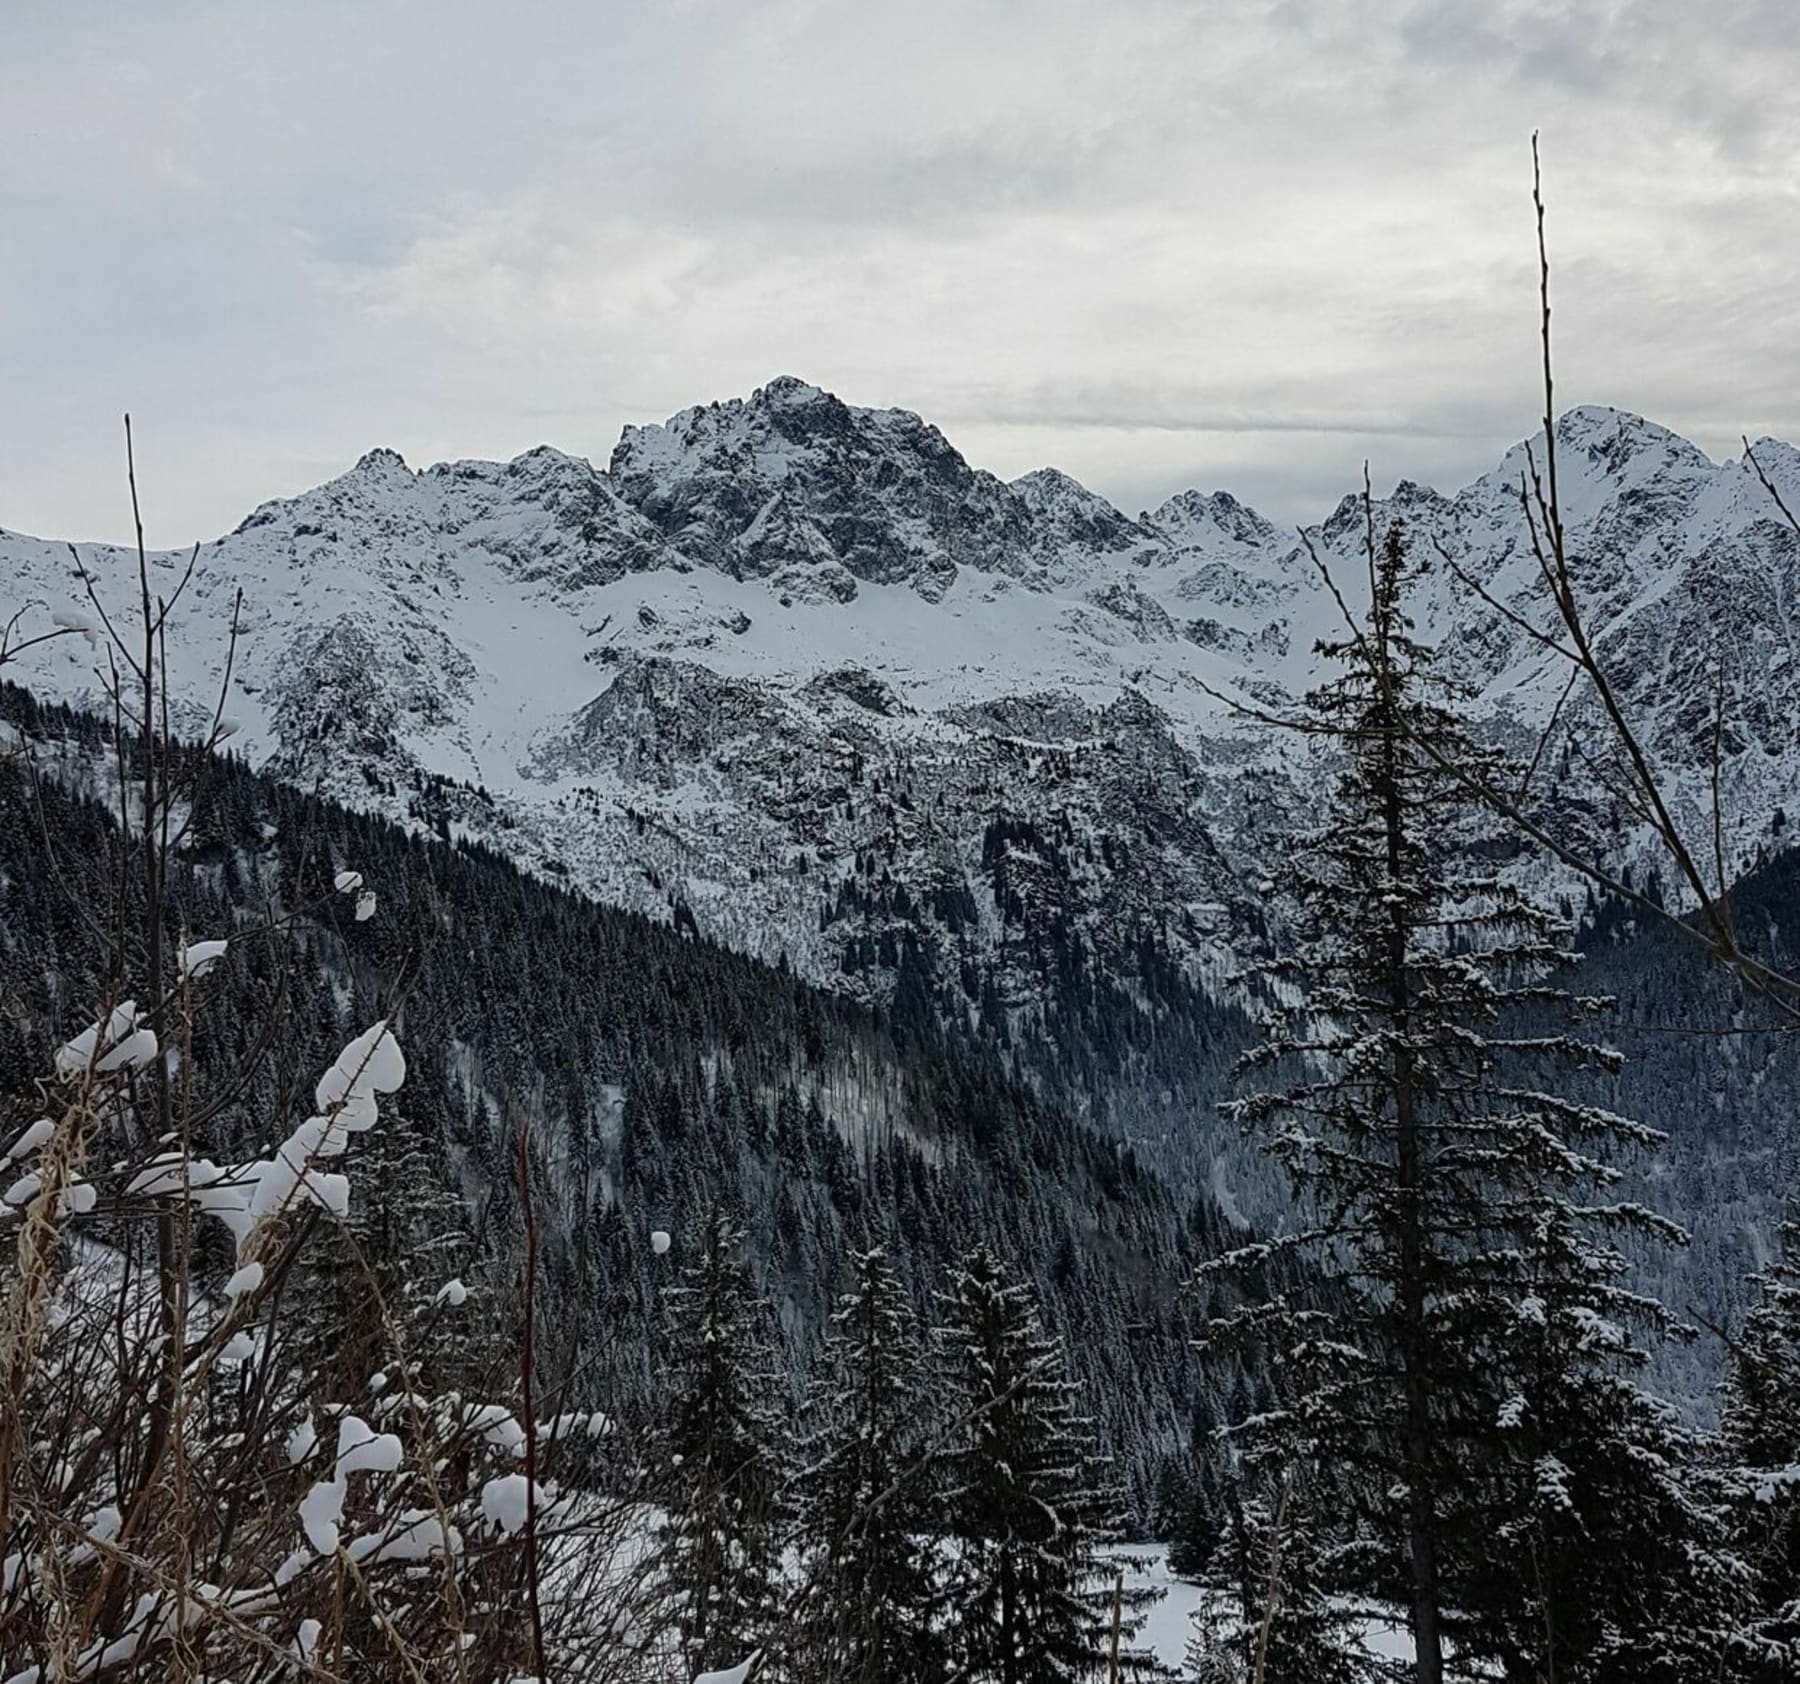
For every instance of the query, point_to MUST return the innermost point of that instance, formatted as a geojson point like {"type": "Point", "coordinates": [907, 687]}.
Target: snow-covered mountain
{"type": "Point", "coordinates": [799, 669]}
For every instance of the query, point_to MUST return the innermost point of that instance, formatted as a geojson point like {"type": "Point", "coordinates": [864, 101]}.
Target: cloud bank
{"type": "Point", "coordinates": [1153, 244]}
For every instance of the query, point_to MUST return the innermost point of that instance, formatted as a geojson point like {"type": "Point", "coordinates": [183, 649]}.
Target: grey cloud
{"type": "Point", "coordinates": [1154, 242]}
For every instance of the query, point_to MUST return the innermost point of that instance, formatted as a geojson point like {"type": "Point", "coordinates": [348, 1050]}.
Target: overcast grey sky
{"type": "Point", "coordinates": [1155, 244]}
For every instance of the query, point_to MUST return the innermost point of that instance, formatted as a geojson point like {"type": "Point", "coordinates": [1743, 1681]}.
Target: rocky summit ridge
{"type": "Point", "coordinates": [799, 672]}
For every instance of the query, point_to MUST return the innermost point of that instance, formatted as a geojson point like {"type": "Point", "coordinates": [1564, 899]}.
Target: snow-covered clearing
{"type": "Point", "coordinates": [1169, 1622]}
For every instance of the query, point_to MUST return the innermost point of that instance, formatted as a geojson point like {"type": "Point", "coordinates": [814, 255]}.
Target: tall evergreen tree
{"type": "Point", "coordinates": [1761, 1434]}
{"type": "Point", "coordinates": [1466, 1339]}
{"type": "Point", "coordinates": [1026, 1498]}
{"type": "Point", "coordinates": [723, 1462]}
{"type": "Point", "coordinates": [358, 1306]}
{"type": "Point", "coordinates": [865, 1496]}
{"type": "Point", "coordinates": [1272, 1613]}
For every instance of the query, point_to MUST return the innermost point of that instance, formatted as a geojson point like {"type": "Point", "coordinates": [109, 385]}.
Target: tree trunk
{"type": "Point", "coordinates": [1421, 1507]}
{"type": "Point", "coordinates": [1009, 1648]}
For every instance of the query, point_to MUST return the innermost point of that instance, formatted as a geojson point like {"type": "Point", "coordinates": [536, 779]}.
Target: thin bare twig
{"type": "Point", "coordinates": [527, 1356]}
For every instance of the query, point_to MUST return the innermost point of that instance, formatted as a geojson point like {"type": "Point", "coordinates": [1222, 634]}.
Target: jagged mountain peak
{"type": "Point", "coordinates": [1602, 454]}
{"type": "Point", "coordinates": [1073, 517]}
{"type": "Point", "coordinates": [1410, 494]}
{"type": "Point", "coordinates": [787, 391]}
{"type": "Point", "coordinates": [547, 459]}
{"type": "Point", "coordinates": [1208, 520]}
{"type": "Point", "coordinates": [784, 415]}
{"type": "Point", "coordinates": [1586, 423]}
{"type": "Point", "coordinates": [796, 486]}
{"type": "Point", "coordinates": [1346, 519]}
{"type": "Point", "coordinates": [381, 460]}
{"type": "Point", "coordinates": [1049, 491]}
{"type": "Point", "coordinates": [379, 487]}
{"type": "Point", "coordinates": [1779, 449]}
{"type": "Point", "coordinates": [1048, 482]}
{"type": "Point", "coordinates": [542, 465]}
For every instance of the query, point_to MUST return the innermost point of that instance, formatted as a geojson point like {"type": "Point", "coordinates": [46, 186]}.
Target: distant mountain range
{"type": "Point", "coordinates": [782, 651]}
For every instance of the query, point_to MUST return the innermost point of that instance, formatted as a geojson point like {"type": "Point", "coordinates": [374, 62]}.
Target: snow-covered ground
{"type": "Point", "coordinates": [1169, 1622]}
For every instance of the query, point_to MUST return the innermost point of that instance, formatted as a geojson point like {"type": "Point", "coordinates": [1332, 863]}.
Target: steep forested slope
{"type": "Point", "coordinates": [1720, 1078]}
{"type": "Point", "coordinates": [653, 1071]}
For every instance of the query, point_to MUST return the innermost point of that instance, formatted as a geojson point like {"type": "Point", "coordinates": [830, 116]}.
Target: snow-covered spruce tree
{"type": "Point", "coordinates": [865, 1497]}
{"type": "Point", "coordinates": [723, 1464]}
{"type": "Point", "coordinates": [1601, 1548]}
{"type": "Point", "coordinates": [1027, 1502]}
{"type": "Point", "coordinates": [1761, 1440]}
{"type": "Point", "coordinates": [1271, 1613]}
{"type": "Point", "coordinates": [1467, 1339]}
{"type": "Point", "coordinates": [405, 1241]}
{"type": "Point", "coordinates": [1195, 1496]}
